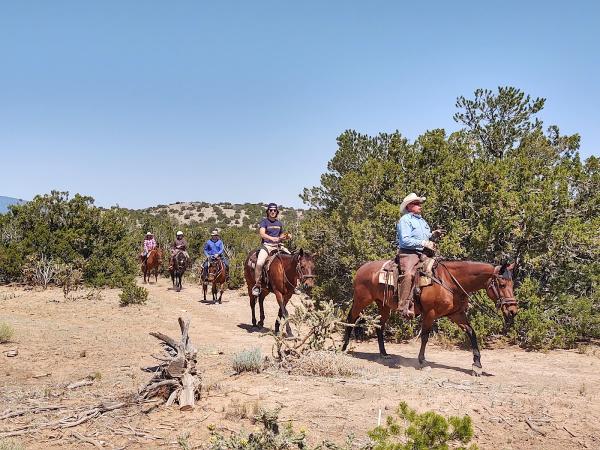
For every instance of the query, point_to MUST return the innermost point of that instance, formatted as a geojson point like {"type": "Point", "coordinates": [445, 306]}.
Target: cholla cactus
{"type": "Point", "coordinates": [315, 328]}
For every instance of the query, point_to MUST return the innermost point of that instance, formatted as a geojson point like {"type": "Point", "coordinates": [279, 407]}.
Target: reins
{"type": "Point", "coordinates": [502, 301]}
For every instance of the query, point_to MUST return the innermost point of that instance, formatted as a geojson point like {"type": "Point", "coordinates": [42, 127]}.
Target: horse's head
{"type": "Point", "coordinates": [500, 289]}
{"type": "Point", "coordinates": [306, 269]}
{"type": "Point", "coordinates": [214, 268]}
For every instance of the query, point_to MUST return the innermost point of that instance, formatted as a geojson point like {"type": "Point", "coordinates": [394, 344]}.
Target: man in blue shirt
{"type": "Point", "coordinates": [272, 235]}
{"type": "Point", "coordinates": [214, 248]}
{"type": "Point", "coordinates": [413, 236]}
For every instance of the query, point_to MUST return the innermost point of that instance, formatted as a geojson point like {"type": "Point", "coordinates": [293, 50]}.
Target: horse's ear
{"type": "Point", "coordinates": [511, 267]}
{"type": "Point", "coordinates": [301, 253]}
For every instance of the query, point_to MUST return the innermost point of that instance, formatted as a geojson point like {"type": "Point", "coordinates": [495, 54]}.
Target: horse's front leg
{"type": "Point", "coordinates": [214, 291]}
{"type": "Point", "coordinates": [288, 328]}
{"type": "Point", "coordinates": [384, 312]}
{"type": "Point", "coordinates": [253, 307]}
{"type": "Point", "coordinates": [426, 326]}
{"type": "Point", "coordinates": [204, 289]}
{"type": "Point", "coordinates": [461, 320]}
{"type": "Point", "coordinates": [261, 300]}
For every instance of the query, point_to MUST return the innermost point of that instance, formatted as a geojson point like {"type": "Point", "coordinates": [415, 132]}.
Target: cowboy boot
{"type": "Point", "coordinates": [405, 292]}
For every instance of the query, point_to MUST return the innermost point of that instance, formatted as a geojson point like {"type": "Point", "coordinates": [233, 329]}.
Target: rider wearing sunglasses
{"type": "Point", "coordinates": [271, 233]}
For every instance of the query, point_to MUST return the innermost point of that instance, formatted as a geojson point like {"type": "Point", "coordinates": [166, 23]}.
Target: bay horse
{"type": "Point", "coordinates": [217, 274]}
{"type": "Point", "coordinates": [152, 263]}
{"type": "Point", "coordinates": [459, 279]}
{"type": "Point", "coordinates": [284, 273]}
{"type": "Point", "coordinates": [180, 261]}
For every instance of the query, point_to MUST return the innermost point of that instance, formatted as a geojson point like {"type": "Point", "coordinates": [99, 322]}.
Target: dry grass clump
{"type": "Point", "coordinates": [236, 410]}
{"type": "Point", "coordinates": [321, 363]}
{"type": "Point", "coordinates": [6, 332]}
{"type": "Point", "coordinates": [11, 444]}
{"type": "Point", "coordinates": [247, 361]}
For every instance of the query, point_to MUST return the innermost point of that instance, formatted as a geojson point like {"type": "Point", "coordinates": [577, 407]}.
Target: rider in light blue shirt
{"type": "Point", "coordinates": [214, 248]}
{"type": "Point", "coordinates": [412, 232]}
{"type": "Point", "coordinates": [413, 236]}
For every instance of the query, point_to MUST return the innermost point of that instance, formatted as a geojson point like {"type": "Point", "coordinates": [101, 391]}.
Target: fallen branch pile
{"type": "Point", "coordinates": [176, 378]}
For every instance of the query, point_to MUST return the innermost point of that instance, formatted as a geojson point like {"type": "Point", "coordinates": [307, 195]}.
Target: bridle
{"type": "Point", "coordinates": [220, 264]}
{"type": "Point", "coordinates": [301, 275]}
{"type": "Point", "coordinates": [492, 284]}
{"type": "Point", "coordinates": [501, 301]}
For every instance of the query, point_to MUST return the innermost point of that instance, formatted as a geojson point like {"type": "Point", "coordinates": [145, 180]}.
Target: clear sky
{"type": "Point", "coordinates": [147, 102]}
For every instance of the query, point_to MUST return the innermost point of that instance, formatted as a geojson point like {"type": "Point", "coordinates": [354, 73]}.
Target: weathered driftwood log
{"type": "Point", "coordinates": [176, 378]}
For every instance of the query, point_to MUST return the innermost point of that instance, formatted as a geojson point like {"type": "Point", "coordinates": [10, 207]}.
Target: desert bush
{"type": "Point", "coordinates": [270, 437]}
{"type": "Point", "coordinates": [409, 430]}
{"type": "Point", "coordinates": [133, 295]}
{"type": "Point", "coordinates": [247, 361]}
{"type": "Point", "coordinates": [6, 332]}
{"type": "Point", "coordinates": [321, 363]}
{"type": "Point", "coordinates": [70, 277]}
{"type": "Point", "coordinates": [40, 270]}
{"type": "Point", "coordinates": [315, 349]}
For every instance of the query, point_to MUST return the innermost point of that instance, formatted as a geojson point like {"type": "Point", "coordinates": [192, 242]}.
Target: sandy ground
{"type": "Point", "coordinates": [60, 341]}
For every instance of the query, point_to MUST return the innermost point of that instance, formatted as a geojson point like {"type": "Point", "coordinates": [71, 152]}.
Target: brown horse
{"type": "Point", "coordinates": [459, 279]}
{"type": "Point", "coordinates": [180, 262]}
{"type": "Point", "coordinates": [217, 273]}
{"type": "Point", "coordinates": [284, 273]}
{"type": "Point", "coordinates": [152, 264]}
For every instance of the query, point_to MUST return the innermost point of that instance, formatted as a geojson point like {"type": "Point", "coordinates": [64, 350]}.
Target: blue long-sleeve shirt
{"type": "Point", "coordinates": [212, 248]}
{"type": "Point", "coordinates": [411, 231]}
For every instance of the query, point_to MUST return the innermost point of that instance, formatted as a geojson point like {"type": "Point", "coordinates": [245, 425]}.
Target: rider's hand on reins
{"type": "Point", "coordinates": [435, 235]}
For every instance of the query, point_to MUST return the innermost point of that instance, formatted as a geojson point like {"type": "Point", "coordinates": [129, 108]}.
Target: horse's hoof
{"type": "Point", "coordinates": [384, 356]}
{"type": "Point", "coordinates": [476, 371]}
{"type": "Point", "coordinates": [261, 324]}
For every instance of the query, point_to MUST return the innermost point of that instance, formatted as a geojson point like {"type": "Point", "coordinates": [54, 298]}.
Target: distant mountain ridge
{"type": "Point", "coordinates": [5, 202]}
{"type": "Point", "coordinates": [228, 214]}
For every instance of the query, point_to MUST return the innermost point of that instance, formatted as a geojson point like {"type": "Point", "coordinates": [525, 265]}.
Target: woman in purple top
{"type": "Point", "coordinates": [271, 233]}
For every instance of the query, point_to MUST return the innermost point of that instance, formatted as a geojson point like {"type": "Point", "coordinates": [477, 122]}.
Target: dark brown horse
{"type": "Point", "coordinates": [217, 273]}
{"type": "Point", "coordinates": [180, 262]}
{"type": "Point", "coordinates": [284, 273]}
{"type": "Point", "coordinates": [459, 280]}
{"type": "Point", "coordinates": [152, 264]}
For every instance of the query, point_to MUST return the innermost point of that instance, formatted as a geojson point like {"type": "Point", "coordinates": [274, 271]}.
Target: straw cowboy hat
{"type": "Point", "coordinates": [214, 233]}
{"type": "Point", "coordinates": [180, 233]}
{"type": "Point", "coordinates": [410, 198]}
{"type": "Point", "coordinates": [148, 234]}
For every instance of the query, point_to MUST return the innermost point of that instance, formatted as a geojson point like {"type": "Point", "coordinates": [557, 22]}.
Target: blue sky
{"type": "Point", "coordinates": [147, 102]}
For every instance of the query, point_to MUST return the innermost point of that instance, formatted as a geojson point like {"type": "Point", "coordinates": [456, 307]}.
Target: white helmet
{"type": "Point", "coordinates": [180, 233]}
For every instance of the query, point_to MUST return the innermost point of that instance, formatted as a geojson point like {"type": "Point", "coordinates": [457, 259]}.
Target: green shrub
{"type": "Point", "coordinates": [6, 332]}
{"type": "Point", "coordinates": [133, 295]}
{"type": "Point", "coordinates": [247, 361]}
{"type": "Point", "coordinates": [270, 437]}
{"type": "Point", "coordinates": [410, 430]}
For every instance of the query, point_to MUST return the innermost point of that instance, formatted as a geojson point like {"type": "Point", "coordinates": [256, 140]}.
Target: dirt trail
{"type": "Point", "coordinates": [63, 341]}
